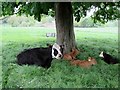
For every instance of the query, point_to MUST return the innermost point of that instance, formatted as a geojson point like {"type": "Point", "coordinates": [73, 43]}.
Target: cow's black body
{"type": "Point", "coordinates": [38, 56]}
{"type": "Point", "coordinates": [109, 59]}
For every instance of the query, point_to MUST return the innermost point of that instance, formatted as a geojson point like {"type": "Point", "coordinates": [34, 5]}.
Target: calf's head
{"type": "Point", "coordinates": [92, 61]}
{"type": "Point", "coordinates": [57, 51]}
{"type": "Point", "coordinates": [75, 51]}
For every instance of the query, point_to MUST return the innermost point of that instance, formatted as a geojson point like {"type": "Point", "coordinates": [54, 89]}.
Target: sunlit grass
{"type": "Point", "coordinates": [24, 34]}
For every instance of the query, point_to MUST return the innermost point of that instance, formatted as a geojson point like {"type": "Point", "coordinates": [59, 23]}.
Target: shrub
{"type": "Point", "coordinates": [47, 19]}
{"type": "Point", "coordinates": [113, 23]}
{"type": "Point", "coordinates": [22, 21]}
{"type": "Point", "coordinates": [86, 22]}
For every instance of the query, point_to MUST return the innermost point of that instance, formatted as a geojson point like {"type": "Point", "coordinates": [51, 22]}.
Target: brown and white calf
{"type": "Point", "coordinates": [72, 55]}
{"type": "Point", "coordinates": [84, 63]}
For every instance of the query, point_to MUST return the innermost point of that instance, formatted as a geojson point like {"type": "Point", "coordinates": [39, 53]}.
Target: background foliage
{"type": "Point", "coordinates": [23, 21]}
{"type": "Point", "coordinates": [104, 11]}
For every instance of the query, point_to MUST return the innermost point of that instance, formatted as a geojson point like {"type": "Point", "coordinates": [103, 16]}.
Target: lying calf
{"type": "Point", "coordinates": [40, 56]}
{"type": "Point", "coordinates": [84, 63]}
{"type": "Point", "coordinates": [72, 55]}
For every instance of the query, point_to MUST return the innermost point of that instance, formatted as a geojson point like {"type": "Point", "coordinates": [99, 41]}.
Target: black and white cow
{"type": "Point", "coordinates": [40, 56]}
{"type": "Point", "coordinates": [108, 58]}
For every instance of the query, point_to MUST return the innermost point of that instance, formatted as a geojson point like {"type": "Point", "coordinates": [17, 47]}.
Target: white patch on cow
{"type": "Point", "coordinates": [101, 54]}
{"type": "Point", "coordinates": [57, 47]}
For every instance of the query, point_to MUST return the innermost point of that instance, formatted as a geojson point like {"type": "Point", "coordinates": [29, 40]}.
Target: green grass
{"type": "Point", "coordinates": [61, 74]}
{"type": "Point", "coordinates": [26, 34]}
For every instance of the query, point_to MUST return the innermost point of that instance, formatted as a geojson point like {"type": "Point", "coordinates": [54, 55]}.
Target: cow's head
{"type": "Point", "coordinates": [57, 51]}
{"type": "Point", "coordinates": [101, 54]}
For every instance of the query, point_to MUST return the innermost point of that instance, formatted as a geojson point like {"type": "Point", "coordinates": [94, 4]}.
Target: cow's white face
{"type": "Point", "coordinates": [56, 51]}
{"type": "Point", "coordinates": [101, 54]}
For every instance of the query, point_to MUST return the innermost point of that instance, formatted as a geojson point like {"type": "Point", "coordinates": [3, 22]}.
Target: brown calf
{"type": "Point", "coordinates": [84, 63]}
{"type": "Point", "coordinates": [71, 55]}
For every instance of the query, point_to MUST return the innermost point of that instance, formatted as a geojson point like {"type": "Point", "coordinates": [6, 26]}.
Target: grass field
{"type": "Point", "coordinates": [61, 74]}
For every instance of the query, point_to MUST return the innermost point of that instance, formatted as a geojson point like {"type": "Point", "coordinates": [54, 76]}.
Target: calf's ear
{"type": "Point", "coordinates": [73, 49]}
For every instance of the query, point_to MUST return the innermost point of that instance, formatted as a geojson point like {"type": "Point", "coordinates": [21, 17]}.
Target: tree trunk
{"type": "Point", "coordinates": [64, 25]}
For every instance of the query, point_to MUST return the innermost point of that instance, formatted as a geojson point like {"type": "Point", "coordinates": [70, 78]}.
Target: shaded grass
{"type": "Point", "coordinates": [61, 74]}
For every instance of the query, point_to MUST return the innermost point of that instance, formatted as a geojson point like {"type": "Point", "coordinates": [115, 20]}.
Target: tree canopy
{"type": "Point", "coordinates": [104, 11]}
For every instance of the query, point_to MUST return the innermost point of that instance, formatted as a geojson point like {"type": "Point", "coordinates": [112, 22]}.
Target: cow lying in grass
{"type": "Point", "coordinates": [84, 63]}
{"type": "Point", "coordinates": [40, 56]}
{"type": "Point", "coordinates": [108, 58]}
{"type": "Point", "coordinates": [72, 55]}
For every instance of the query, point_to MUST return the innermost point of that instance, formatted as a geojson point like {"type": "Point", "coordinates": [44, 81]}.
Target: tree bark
{"type": "Point", "coordinates": [64, 25]}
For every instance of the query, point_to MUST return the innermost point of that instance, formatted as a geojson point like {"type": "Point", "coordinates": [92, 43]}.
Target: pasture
{"type": "Point", "coordinates": [91, 41]}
